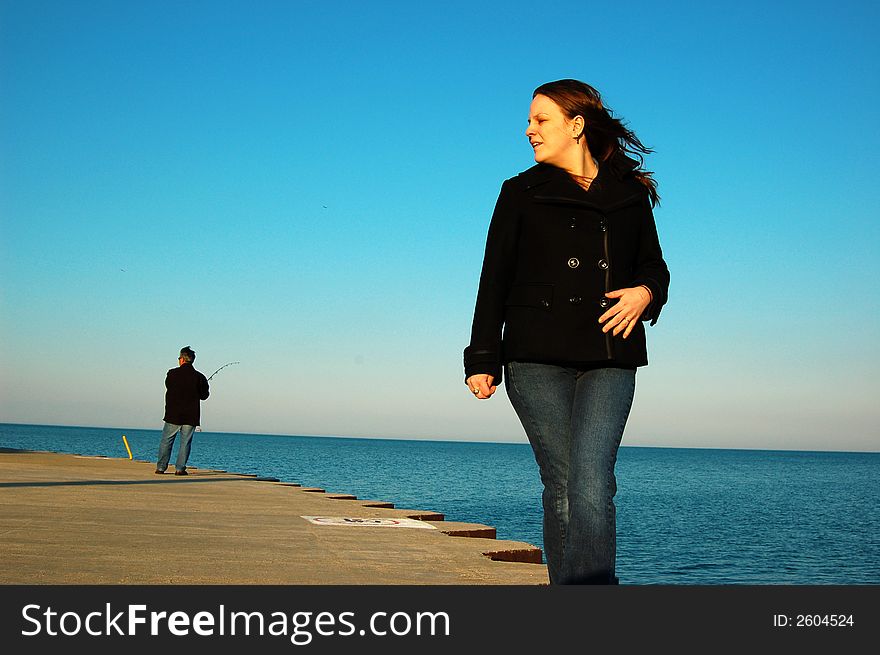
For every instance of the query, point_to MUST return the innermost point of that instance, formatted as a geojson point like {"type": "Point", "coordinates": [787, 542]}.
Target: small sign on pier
{"type": "Point", "coordinates": [366, 522]}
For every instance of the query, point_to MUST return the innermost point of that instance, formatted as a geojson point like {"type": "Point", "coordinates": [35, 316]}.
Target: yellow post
{"type": "Point", "coordinates": [125, 441]}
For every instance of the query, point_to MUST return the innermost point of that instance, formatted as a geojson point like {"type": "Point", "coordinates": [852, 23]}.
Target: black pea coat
{"type": "Point", "coordinates": [552, 252]}
{"type": "Point", "coordinates": [185, 387]}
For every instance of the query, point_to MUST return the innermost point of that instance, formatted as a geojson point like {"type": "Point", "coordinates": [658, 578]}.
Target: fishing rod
{"type": "Point", "coordinates": [199, 427]}
{"type": "Point", "coordinates": [221, 368]}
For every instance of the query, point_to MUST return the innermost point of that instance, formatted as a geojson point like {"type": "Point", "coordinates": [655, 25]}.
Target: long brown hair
{"type": "Point", "coordinates": [606, 136]}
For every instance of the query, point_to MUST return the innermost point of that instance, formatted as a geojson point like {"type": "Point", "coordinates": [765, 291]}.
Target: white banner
{"type": "Point", "coordinates": [369, 522]}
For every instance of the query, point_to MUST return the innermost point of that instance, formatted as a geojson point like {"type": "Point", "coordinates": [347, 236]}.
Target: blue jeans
{"type": "Point", "coordinates": [574, 420]}
{"type": "Point", "coordinates": [169, 432]}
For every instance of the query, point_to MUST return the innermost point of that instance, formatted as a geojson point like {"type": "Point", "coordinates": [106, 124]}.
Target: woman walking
{"type": "Point", "coordinates": [572, 270]}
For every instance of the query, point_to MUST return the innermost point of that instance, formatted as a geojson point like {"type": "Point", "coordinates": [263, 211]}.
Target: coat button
{"type": "Point", "coordinates": [575, 300]}
{"type": "Point", "coordinates": [604, 303]}
{"type": "Point", "coordinates": [603, 226]}
{"type": "Point", "coordinates": [574, 221]}
{"type": "Point", "coordinates": [602, 264]}
{"type": "Point", "coordinates": [573, 262]}
{"type": "Point", "coordinates": [545, 303]}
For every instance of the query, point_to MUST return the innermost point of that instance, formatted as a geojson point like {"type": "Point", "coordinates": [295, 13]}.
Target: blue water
{"type": "Point", "coordinates": [684, 516]}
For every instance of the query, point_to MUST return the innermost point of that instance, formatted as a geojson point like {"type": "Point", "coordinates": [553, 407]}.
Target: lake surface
{"type": "Point", "coordinates": [684, 516]}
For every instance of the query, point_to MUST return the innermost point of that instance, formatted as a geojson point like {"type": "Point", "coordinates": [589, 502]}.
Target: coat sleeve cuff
{"type": "Point", "coordinates": [482, 361]}
{"type": "Point", "coordinates": [652, 311]}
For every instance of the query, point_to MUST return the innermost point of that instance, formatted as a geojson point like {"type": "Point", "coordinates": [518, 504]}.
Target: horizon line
{"type": "Point", "coordinates": [437, 440]}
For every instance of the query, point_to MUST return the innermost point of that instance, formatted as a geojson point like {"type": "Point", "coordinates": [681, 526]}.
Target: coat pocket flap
{"type": "Point", "coordinates": [539, 296]}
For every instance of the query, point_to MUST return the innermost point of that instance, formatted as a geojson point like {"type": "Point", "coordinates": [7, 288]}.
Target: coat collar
{"type": "Point", "coordinates": [619, 165]}
{"type": "Point", "coordinates": [552, 185]}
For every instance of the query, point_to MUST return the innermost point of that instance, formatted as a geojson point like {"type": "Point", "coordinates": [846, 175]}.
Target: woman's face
{"type": "Point", "coordinates": [550, 133]}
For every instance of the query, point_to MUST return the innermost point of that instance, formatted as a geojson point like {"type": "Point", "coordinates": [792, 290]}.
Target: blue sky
{"type": "Point", "coordinates": [305, 188]}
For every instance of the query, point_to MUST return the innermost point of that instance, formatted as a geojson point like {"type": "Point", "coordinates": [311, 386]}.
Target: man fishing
{"type": "Point", "coordinates": [185, 387]}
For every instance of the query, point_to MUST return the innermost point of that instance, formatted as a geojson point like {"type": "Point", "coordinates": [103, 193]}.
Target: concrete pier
{"type": "Point", "coordinates": [67, 519]}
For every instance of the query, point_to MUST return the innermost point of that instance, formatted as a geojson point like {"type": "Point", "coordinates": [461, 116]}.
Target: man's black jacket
{"type": "Point", "coordinates": [185, 388]}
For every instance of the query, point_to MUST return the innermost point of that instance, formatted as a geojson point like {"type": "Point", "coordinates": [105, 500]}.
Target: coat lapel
{"type": "Point", "coordinates": [550, 185]}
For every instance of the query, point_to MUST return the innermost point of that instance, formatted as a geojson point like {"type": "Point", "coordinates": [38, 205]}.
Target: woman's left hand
{"type": "Point", "coordinates": [624, 315]}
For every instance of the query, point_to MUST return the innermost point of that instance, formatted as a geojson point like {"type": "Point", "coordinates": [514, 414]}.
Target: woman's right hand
{"type": "Point", "coordinates": [481, 385]}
